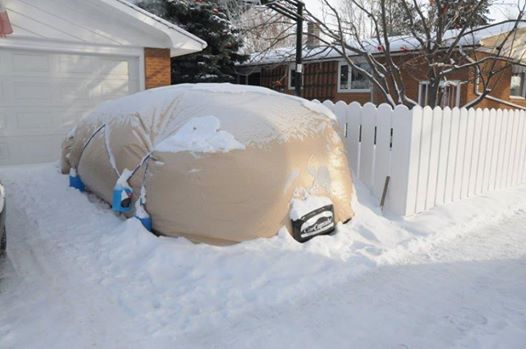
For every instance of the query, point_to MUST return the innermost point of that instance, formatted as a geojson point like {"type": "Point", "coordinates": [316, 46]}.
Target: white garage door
{"type": "Point", "coordinates": [42, 94]}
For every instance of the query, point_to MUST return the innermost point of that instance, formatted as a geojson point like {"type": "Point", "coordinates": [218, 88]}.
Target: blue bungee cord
{"type": "Point", "coordinates": [122, 191]}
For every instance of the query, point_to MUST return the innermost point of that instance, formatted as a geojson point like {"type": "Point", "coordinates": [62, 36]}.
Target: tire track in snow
{"type": "Point", "coordinates": [44, 257]}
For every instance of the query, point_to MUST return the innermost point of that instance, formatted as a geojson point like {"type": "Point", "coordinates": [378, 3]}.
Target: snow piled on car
{"type": "Point", "coordinates": [200, 135]}
{"type": "Point", "coordinates": [262, 116]}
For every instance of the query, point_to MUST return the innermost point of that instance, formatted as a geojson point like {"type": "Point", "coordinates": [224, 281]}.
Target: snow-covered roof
{"type": "Point", "coordinates": [94, 23]}
{"type": "Point", "coordinates": [398, 45]}
{"type": "Point", "coordinates": [180, 38]}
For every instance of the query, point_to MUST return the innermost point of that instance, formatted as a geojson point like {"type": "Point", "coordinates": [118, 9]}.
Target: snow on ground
{"type": "Point", "coordinates": [82, 277]}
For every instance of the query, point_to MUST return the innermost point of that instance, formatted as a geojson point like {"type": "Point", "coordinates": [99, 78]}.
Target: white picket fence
{"type": "Point", "coordinates": [433, 156]}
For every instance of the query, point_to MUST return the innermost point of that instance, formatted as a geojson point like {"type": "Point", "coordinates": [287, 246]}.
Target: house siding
{"type": "Point", "coordinates": [320, 81]}
{"type": "Point", "coordinates": [500, 89]}
{"type": "Point", "coordinates": [157, 67]}
{"type": "Point", "coordinates": [321, 78]}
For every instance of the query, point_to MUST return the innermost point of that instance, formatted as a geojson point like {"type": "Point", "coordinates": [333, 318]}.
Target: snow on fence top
{"type": "Point", "coordinates": [433, 156]}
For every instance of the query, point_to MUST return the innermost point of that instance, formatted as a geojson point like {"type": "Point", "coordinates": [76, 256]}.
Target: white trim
{"type": "Point", "coordinates": [142, 72]}
{"type": "Point", "coordinates": [348, 90]}
{"type": "Point", "coordinates": [289, 83]}
{"type": "Point", "coordinates": [339, 82]}
{"type": "Point", "coordinates": [41, 44]}
{"type": "Point", "coordinates": [160, 24]}
{"type": "Point", "coordinates": [459, 87]}
{"type": "Point", "coordinates": [523, 85]}
{"type": "Point", "coordinates": [456, 83]}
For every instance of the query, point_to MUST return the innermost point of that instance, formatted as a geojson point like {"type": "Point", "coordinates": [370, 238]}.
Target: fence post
{"type": "Point", "coordinates": [340, 109]}
{"type": "Point", "coordinates": [445, 143]}
{"type": "Point", "coordinates": [424, 158]}
{"type": "Point", "coordinates": [352, 142]}
{"type": "Point", "coordinates": [434, 156]}
{"type": "Point", "coordinates": [367, 145]}
{"type": "Point", "coordinates": [522, 171]}
{"type": "Point", "coordinates": [382, 150]}
{"type": "Point", "coordinates": [404, 160]}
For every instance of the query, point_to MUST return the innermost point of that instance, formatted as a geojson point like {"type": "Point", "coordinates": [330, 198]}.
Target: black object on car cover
{"type": "Point", "coordinates": [314, 223]}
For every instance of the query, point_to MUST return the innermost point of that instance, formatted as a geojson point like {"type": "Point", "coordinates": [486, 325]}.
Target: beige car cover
{"type": "Point", "coordinates": [217, 163]}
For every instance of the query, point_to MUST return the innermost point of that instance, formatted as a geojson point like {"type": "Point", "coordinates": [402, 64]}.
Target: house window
{"type": "Point", "coordinates": [517, 85]}
{"type": "Point", "coordinates": [352, 80]}
{"type": "Point", "coordinates": [450, 91]}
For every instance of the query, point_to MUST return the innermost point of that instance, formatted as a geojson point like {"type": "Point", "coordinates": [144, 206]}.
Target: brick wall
{"type": "Point", "coordinates": [500, 88]}
{"type": "Point", "coordinates": [321, 78]}
{"type": "Point", "coordinates": [157, 67]}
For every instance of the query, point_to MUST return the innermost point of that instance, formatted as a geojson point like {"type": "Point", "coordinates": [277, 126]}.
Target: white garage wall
{"type": "Point", "coordinates": [42, 94]}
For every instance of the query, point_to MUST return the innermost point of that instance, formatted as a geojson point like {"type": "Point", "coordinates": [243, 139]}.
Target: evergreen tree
{"type": "Point", "coordinates": [397, 16]}
{"type": "Point", "coordinates": [207, 20]}
{"type": "Point", "coordinates": [463, 13]}
{"type": "Point", "coordinates": [456, 14]}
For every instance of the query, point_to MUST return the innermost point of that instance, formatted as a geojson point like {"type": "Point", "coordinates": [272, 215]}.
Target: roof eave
{"type": "Point", "coordinates": [181, 42]}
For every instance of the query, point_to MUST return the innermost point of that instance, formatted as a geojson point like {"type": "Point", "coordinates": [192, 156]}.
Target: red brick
{"type": "Point", "coordinates": [157, 67]}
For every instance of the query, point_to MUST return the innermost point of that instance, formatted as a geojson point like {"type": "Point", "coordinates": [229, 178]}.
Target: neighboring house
{"type": "Point", "coordinates": [67, 56]}
{"type": "Point", "coordinates": [326, 75]}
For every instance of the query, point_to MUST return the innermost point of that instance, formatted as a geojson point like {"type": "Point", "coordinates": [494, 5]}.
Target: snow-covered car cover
{"type": "Point", "coordinates": [226, 163]}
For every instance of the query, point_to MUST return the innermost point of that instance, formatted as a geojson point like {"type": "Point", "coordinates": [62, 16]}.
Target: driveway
{"type": "Point", "coordinates": [81, 277]}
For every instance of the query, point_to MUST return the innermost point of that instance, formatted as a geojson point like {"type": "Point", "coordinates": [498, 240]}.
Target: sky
{"type": "Point", "coordinates": [501, 9]}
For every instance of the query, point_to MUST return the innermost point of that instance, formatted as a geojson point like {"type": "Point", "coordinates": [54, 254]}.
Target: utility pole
{"type": "Point", "coordinates": [292, 9]}
{"type": "Point", "coordinates": [299, 48]}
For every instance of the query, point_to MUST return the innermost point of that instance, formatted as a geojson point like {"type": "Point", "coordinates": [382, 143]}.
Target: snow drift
{"type": "Point", "coordinates": [215, 163]}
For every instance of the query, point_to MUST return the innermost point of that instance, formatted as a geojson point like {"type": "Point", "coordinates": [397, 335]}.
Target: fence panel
{"type": "Point", "coordinates": [354, 124]}
{"type": "Point", "coordinates": [502, 149]}
{"type": "Point", "coordinates": [508, 148]}
{"type": "Point", "coordinates": [461, 151]}
{"type": "Point", "coordinates": [483, 151]}
{"type": "Point", "coordinates": [423, 158]}
{"type": "Point", "coordinates": [497, 150]}
{"type": "Point", "coordinates": [452, 156]}
{"type": "Point", "coordinates": [516, 150]}
{"type": "Point", "coordinates": [445, 133]}
{"type": "Point", "coordinates": [406, 135]}
{"type": "Point", "coordinates": [476, 127]}
{"type": "Point", "coordinates": [433, 156]}
{"type": "Point", "coordinates": [490, 150]}
{"type": "Point", "coordinates": [468, 154]}
{"type": "Point", "coordinates": [522, 162]}
{"type": "Point", "coordinates": [340, 109]}
{"type": "Point", "coordinates": [383, 148]}
{"type": "Point", "coordinates": [368, 144]}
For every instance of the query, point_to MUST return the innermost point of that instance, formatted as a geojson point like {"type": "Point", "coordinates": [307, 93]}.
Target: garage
{"type": "Point", "coordinates": [66, 57]}
{"type": "Point", "coordinates": [44, 93]}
